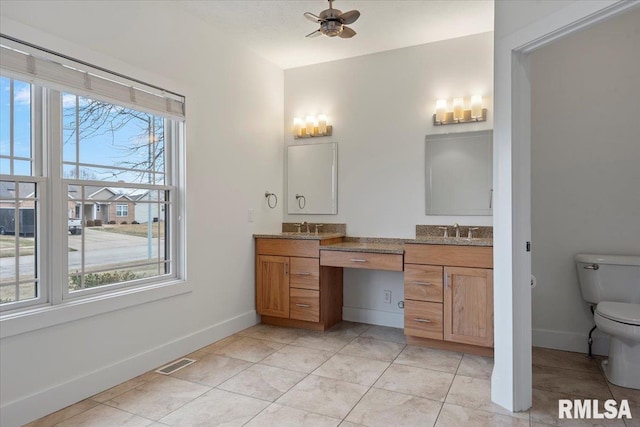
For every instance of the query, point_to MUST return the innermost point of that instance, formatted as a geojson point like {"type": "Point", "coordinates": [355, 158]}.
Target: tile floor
{"type": "Point", "coordinates": [353, 375]}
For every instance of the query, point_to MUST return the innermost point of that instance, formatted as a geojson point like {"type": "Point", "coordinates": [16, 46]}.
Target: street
{"type": "Point", "coordinates": [102, 249]}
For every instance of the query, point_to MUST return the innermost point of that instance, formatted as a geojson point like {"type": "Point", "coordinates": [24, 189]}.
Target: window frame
{"type": "Point", "coordinates": [54, 303]}
{"type": "Point", "coordinates": [121, 208]}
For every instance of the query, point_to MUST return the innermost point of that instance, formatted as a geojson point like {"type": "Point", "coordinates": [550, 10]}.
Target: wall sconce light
{"type": "Point", "coordinates": [311, 127]}
{"type": "Point", "coordinates": [459, 114]}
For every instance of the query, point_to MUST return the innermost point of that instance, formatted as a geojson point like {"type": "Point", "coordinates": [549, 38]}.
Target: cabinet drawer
{"type": "Point", "coordinates": [288, 247]}
{"type": "Point", "coordinates": [369, 260]}
{"type": "Point", "coordinates": [456, 256]}
{"type": "Point", "coordinates": [423, 319]}
{"type": "Point", "coordinates": [423, 282]}
{"type": "Point", "coordinates": [304, 305]}
{"type": "Point", "coordinates": [305, 273]}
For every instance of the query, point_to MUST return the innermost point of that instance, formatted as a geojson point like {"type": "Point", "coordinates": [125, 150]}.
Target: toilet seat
{"type": "Point", "coordinates": [621, 312]}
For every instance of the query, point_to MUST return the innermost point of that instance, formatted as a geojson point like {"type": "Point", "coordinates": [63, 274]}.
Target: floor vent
{"type": "Point", "coordinates": [175, 366]}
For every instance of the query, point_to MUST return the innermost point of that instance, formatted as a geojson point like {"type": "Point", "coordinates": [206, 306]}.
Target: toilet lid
{"type": "Point", "coordinates": [620, 312]}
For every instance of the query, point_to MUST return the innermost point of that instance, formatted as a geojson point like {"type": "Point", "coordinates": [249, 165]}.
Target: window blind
{"type": "Point", "coordinates": [62, 73]}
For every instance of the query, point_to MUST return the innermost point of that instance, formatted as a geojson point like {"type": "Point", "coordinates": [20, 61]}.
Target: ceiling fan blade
{"type": "Point", "coordinates": [347, 33]}
{"type": "Point", "coordinates": [349, 17]}
{"type": "Point", "coordinates": [316, 33]}
{"type": "Point", "coordinates": [311, 17]}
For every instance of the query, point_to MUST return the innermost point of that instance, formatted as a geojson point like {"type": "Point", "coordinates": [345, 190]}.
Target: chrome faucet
{"type": "Point", "coordinates": [305, 224]}
{"type": "Point", "coordinates": [457, 227]}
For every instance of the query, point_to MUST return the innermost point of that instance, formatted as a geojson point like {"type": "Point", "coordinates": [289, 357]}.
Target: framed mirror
{"type": "Point", "coordinates": [459, 173]}
{"type": "Point", "coordinates": [312, 178]}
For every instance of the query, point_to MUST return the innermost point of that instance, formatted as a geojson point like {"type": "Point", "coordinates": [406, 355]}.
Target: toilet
{"type": "Point", "coordinates": [612, 284]}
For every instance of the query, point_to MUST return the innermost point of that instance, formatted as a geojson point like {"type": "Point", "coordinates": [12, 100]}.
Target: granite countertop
{"type": "Point", "coordinates": [376, 245]}
{"type": "Point", "coordinates": [459, 241]}
{"type": "Point", "coordinates": [380, 248]}
{"type": "Point", "coordinates": [299, 236]}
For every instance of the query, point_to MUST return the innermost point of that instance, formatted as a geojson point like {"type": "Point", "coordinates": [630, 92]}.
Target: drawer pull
{"type": "Point", "coordinates": [303, 274]}
{"type": "Point", "coordinates": [422, 320]}
{"type": "Point", "coordinates": [358, 260]}
{"type": "Point", "coordinates": [303, 305]}
{"type": "Point", "coordinates": [423, 283]}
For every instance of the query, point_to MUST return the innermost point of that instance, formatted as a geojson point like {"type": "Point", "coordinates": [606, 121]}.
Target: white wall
{"type": "Point", "coordinates": [585, 179]}
{"type": "Point", "coordinates": [234, 153]}
{"type": "Point", "coordinates": [381, 108]}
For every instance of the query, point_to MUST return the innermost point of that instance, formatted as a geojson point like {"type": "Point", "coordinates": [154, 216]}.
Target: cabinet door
{"type": "Point", "coordinates": [272, 286]}
{"type": "Point", "coordinates": [468, 306]}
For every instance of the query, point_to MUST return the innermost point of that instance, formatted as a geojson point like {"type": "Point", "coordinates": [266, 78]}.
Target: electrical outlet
{"type": "Point", "coordinates": [250, 215]}
{"type": "Point", "coordinates": [387, 297]}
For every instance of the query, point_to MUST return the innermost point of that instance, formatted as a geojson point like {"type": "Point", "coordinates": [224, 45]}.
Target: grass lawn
{"type": "Point", "coordinates": [8, 246]}
{"type": "Point", "coordinates": [140, 230]}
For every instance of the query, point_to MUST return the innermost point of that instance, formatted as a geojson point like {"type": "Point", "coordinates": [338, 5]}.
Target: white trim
{"type": "Point", "coordinates": [28, 320]}
{"type": "Point", "coordinates": [373, 317]}
{"type": "Point", "coordinates": [571, 341]}
{"type": "Point", "coordinates": [28, 408]}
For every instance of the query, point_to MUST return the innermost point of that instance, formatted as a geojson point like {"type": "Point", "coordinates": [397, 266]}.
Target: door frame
{"type": "Point", "coordinates": [511, 381]}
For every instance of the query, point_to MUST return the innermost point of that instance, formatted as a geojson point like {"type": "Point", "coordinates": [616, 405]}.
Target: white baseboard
{"type": "Point", "coordinates": [570, 341]}
{"type": "Point", "coordinates": [24, 410]}
{"type": "Point", "coordinates": [373, 317]}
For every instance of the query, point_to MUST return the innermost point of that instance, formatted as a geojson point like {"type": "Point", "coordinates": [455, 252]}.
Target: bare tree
{"type": "Point", "coordinates": [144, 152]}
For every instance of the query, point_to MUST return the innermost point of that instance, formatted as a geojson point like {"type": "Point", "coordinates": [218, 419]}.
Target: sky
{"type": "Point", "coordinates": [108, 144]}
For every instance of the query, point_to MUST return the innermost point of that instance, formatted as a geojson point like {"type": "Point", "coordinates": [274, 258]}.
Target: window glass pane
{"type": "Point", "coordinates": [5, 167]}
{"type": "Point", "coordinates": [68, 132]}
{"type": "Point", "coordinates": [4, 118]}
{"type": "Point", "coordinates": [22, 119]}
{"type": "Point", "coordinates": [122, 241]}
{"type": "Point", "coordinates": [18, 241]}
{"type": "Point", "coordinates": [115, 143]}
{"type": "Point", "coordinates": [22, 167]}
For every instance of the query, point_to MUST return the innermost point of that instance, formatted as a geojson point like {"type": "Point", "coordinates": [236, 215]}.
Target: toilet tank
{"type": "Point", "coordinates": [609, 277]}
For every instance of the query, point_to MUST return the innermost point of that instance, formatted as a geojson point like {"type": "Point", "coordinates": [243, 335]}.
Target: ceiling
{"type": "Point", "coordinates": [276, 29]}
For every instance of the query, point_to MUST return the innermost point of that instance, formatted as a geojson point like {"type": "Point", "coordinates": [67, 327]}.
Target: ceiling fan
{"type": "Point", "coordinates": [333, 22]}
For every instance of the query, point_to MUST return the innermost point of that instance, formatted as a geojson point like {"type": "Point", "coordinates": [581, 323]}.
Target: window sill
{"type": "Point", "coordinates": [43, 317]}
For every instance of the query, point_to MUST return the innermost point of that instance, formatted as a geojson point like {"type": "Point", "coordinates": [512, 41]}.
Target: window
{"type": "Point", "coordinates": [122, 210]}
{"type": "Point", "coordinates": [116, 157]}
{"type": "Point", "coordinates": [19, 197]}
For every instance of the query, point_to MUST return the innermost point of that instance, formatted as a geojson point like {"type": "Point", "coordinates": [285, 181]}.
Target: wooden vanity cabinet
{"type": "Point", "coordinates": [449, 294]}
{"type": "Point", "coordinates": [291, 287]}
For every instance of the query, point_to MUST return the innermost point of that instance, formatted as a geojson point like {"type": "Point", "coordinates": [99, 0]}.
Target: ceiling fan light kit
{"type": "Point", "coordinates": [333, 22]}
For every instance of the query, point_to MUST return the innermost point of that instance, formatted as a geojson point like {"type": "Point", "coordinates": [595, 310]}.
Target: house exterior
{"type": "Point", "coordinates": [149, 212]}
{"type": "Point", "coordinates": [101, 203]}
{"type": "Point", "coordinates": [26, 209]}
